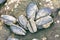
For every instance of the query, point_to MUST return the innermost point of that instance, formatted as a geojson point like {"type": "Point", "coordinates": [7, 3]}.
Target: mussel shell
{"type": "Point", "coordinates": [17, 29]}
{"type": "Point", "coordinates": [8, 23]}
{"type": "Point", "coordinates": [31, 10]}
{"type": "Point", "coordinates": [8, 18]}
{"type": "Point", "coordinates": [22, 20]}
{"type": "Point", "coordinates": [43, 12]}
{"type": "Point", "coordinates": [42, 21]}
{"type": "Point", "coordinates": [32, 26]}
{"type": "Point", "coordinates": [2, 1]}
{"type": "Point", "coordinates": [12, 38]}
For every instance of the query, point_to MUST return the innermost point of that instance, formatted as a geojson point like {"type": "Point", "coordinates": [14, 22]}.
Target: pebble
{"type": "Point", "coordinates": [57, 21]}
{"type": "Point", "coordinates": [57, 35]}
{"type": "Point", "coordinates": [46, 25]}
{"type": "Point", "coordinates": [35, 39]}
{"type": "Point", "coordinates": [7, 7]}
{"type": "Point", "coordinates": [44, 38]}
{"type": "Point", "coordinates": [40, 3]}
{"type": "Point", "coordinates": [48, 0]}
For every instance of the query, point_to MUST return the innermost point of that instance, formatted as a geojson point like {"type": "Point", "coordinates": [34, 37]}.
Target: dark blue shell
{"type": "Point", "coordinates": [2, 1]}
{"type": "Point", "coordinates": [43, 12]}
{"type": "Point", "coordinates": [31, 10]}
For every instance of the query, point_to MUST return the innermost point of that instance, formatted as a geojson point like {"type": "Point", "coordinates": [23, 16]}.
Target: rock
{"type": "Point", "coordinates": [4, 32]}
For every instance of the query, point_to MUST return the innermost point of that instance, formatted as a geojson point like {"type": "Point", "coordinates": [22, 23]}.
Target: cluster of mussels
{"type": "Point", "coordinates": [35, 19]}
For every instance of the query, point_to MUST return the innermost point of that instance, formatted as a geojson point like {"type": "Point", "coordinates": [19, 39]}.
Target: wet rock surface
{"type": "Point", "coordinates": [11, 9]}
{"type": "Point", "coordinates": [4, 32]}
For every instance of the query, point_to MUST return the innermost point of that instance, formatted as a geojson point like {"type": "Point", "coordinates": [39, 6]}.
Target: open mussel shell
{"type": "Point", "coordinates": [8, 19]}
{"type": "Point", "coordinates": [31, 10]}
{"type": "Point", "coordinates": [43, 12]}
{"type": "Point", "coordinates": [12, 38]}
{"type": "Point", "coordinates": [42, 22]}
{"type": "Point", "coordinates": [22, 20]}
{"type": "Point", "coordinates": [17, 29]}
{"type": "Point", "coordinates": [32, 26]}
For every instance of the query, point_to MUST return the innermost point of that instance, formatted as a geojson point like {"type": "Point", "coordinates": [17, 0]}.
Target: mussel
{"type": "Point", "coordinates": [22, 20]}
{"type": "Point", "coordinates": [31, 10]}
{"type": "Point", "coordinates": [2, 1]}
{"type": "Point", "coordinates": [32, 26]}
{"type": "Point", "coordinates": [34, 19]}
{"type": "Point", "coordinates": [43, 12]}
{"type": "Point", "coordinates": [42, 22]}
{"type": "Point", "coordinates": [17, 29]}
{"type": "Point", "coordinates": [8, 19]}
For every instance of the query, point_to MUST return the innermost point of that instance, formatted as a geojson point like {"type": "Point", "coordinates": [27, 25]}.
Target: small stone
{"type": "Point", "coordinates": [44, 38]}
{"type": "Point", "coordinates": [16, 6]}
{"type": "Point", "coordinates": [12, 10]}
{"type": "Point", "coordinates": [48, 0]}
{"type": "Point", "coordinates": [46, 25]}
{"type": "Point", "coordinates": [57, 35]}
{"type": "Point", "coordinates": [58, 21]}
{"type": "Point", "coordinates": [35, 39]}
{"type": "Point", "coordinates": [52, 7]}
{"type": "Point", "coordinates": [40, 3]}
{"type": "Point", "coordinates": [7, 7]}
